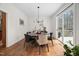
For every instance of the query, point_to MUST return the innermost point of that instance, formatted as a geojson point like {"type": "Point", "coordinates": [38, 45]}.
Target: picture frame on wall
{"type": "Point", "coordinates": [21, 21]}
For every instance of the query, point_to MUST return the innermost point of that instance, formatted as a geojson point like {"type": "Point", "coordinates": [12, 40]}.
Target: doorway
{"type": "Point", "coordinates": [2, 29]}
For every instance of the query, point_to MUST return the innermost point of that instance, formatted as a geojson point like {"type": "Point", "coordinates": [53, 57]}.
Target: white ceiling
{"type": "Point", "coordinates": [46, 9]}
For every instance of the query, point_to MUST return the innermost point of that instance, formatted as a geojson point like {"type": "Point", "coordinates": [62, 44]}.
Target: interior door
{"type": "Point", "coordinates": [2, 29]}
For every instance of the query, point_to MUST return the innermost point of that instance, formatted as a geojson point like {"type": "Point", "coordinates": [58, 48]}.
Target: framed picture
{"type": "Point", "coordinates": [21, 22]}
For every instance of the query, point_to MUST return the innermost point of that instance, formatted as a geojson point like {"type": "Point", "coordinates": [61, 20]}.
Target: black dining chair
{"type": "Point", "coordinates": [27, 37]}
{"type": "Point", "coordinates": [50, 37]}
{"type": "Point", "coordinates": [29, 40]}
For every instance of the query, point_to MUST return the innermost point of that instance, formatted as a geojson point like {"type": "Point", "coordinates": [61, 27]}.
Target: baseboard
{"type": "Point", "coordinates": [60, 41]}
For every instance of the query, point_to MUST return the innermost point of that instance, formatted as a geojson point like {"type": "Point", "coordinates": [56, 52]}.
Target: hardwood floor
{"type": "Point", "coordinates": [19, 50]}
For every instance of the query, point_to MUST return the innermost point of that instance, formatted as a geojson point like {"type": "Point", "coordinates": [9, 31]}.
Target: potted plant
{"type": "Point", "coordinates": [71, 51]}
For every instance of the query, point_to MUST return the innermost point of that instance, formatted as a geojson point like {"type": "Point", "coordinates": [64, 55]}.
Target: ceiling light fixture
{"type": "Point", "coordinates": [39, 22]}
{"type": "Point", "coordinates": [38, 14]}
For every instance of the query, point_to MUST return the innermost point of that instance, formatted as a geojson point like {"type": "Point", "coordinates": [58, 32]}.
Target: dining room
{"type": "Point", "coordinates": [40, 29]}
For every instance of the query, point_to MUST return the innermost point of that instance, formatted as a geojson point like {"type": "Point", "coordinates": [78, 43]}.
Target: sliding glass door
{"type": "Point", "coordinates": [65, 26]}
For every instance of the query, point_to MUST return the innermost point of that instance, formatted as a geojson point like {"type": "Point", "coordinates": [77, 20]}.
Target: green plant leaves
{"type": "Point", "coordinates": [74, 50]}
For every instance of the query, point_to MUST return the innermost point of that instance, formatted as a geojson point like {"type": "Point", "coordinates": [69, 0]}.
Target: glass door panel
{"type": "Point", "coordinates": [68, 27]}
{"type": "Point", "coordinates": [59, 28]}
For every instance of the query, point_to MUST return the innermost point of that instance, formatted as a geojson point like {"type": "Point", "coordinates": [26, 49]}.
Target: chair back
{"type": "Point", "coordinates": [42, 39]}
{"type": "Point", "coordinates": [50, 37]}
{"type": "Point", "coordinates": [27, 37]}
{"type": "Point", "coordinates": [51, 34]}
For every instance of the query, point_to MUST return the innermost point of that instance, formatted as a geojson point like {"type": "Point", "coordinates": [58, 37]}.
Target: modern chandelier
{"type": "Point", "coordinates": [39, 21]}
{"type": "Point", "coordinates": [38, 14]}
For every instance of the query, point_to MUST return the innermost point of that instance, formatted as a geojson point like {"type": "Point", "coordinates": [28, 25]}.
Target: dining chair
{"type": "Point", "coordinates": [26, 41]}
{"type": "Point", "coordinates": [42, 41]}
{"type": "Point", "coordinates": [29, 40]}
{"type": "Point", "coordinates": [50, 37]}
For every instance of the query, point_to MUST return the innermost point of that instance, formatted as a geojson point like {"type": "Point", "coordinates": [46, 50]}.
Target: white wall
{"type": "Point", "coordinates": [53, 25]}
{"type": "Point", "coordinates": [46, 23]}
{"type": "Point", "coordinates": [15, 32]}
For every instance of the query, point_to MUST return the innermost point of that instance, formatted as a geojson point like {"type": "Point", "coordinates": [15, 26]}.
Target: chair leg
{"type": "Point", "coordinates": [39, 50]}
{"type": "Point", "coordinates": [52, 42]}
{"type": "Point", "coordinates": [48, 47]}
{"type": "Point", "coordinates": [24, 44]}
